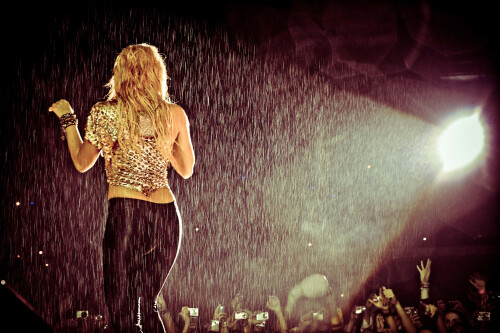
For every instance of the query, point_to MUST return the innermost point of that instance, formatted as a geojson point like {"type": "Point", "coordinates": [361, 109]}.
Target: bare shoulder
{"type": "Point", "coordinates": [178, 113]}
{"type": "Point", "coordinates": [175, 109]}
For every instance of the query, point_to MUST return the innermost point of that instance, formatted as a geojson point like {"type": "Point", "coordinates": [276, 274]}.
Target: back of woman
{"type": "Point", "coordinates": [140, 133]}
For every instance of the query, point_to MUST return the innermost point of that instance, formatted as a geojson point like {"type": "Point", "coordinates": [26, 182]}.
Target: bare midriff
{"type": "Point", "coordinates": [161, 195]}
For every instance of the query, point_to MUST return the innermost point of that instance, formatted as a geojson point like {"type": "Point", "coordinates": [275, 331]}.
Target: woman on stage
{"type": "Point", "coordinates": [140, 133]}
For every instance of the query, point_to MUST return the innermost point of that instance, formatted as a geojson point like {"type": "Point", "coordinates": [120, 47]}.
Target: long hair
{"type": "Point", "coordinates": [139, 86]}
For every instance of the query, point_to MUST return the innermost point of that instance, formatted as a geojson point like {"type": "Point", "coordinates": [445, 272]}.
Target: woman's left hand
{"type": "Point", "coordinates": [61, 107]}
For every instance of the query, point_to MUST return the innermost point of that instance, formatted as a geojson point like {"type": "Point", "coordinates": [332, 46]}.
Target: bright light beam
{"type": "Point", "coordinates": [461, 142]}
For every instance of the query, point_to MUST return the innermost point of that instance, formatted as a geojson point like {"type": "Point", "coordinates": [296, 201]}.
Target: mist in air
{"type": "Point", "coordinates": [308, 159]}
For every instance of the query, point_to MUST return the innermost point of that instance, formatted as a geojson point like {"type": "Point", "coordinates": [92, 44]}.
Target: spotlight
{"type": "Point", "coordinates": [461, 142]}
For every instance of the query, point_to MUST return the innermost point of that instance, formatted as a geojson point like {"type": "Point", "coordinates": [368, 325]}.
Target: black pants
{"type": "Point", "coordinates": [141, 242]}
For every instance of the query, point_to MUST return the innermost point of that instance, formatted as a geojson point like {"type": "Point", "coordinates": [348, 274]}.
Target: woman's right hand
{"type": "Point", "coordinates": [61, 107]}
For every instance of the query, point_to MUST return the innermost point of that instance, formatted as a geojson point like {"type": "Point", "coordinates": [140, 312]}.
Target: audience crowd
{"type": "Point", "coordinates": [311, 307]}
{"type": "Point", "coordinates": [382, 312]}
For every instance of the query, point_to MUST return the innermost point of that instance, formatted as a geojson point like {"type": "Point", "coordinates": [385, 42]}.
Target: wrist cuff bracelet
{"type": "Point", "coordinates": [67, 120]}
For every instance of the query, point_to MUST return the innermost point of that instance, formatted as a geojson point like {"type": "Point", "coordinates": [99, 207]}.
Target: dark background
{"type": "Point", "coordinates": [288, 102]}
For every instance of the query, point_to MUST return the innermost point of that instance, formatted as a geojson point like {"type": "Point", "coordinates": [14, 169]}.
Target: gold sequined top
{"type": "Point", "coordinates": [145, 171]}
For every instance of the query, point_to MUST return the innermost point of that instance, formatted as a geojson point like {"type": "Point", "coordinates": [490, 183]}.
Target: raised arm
{"type": "Point", "coordinates": [221, 316]}
{"type": "Point", "coordinates": [480, 285]}
{"type": "Point", "coordinates": [83, 153]}
{"type": "Point", "coordinates": [273, 303]}
{"type": "Point", "coordinates": [387, 315]}
{"type": "Point", "coordinates": [405, 320]}
{"type": "Point", "coordinates": [425, 273]}
{"type": "Point", "coordinates": [184, 314]}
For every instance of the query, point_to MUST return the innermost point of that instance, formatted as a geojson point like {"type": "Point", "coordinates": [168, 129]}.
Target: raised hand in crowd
{"type": "Point", "coordinates": [480, 298]}
{"type": "Point", "coordinates": [477, 282]}
{"type": "Point", "coordinates": [425, 273]}
{"type": "Point", "coordinates": [242, 320]}
{"type": "Point", "coordinates": [220, 313]}
{"type": "Point", "coordinates": [184, 314]}
{"type": "Point", "coordinates": [431, 311]}
{"type": "Point", "coordinates": [219, 322]}
{"type": "Point", "coordinates": [380, 302]}
{"type": "Point", "coordinates": [273, 304]}
{"type": "Point", "coordinates": [384, 305]}
{"type": "Point", "coordinates": [406, 321]}
{"type": "Point", "coordinates": [389, 296]}
{"type": "Point", "coordinates": [415, 319]}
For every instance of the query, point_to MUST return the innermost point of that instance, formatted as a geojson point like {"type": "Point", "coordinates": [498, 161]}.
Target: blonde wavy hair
{"type": "Point", "coordinates": [139, 86]}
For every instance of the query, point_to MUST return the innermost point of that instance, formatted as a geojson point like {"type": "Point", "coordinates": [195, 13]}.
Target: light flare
{"type": "Point", "coordinates": [461, 142]}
